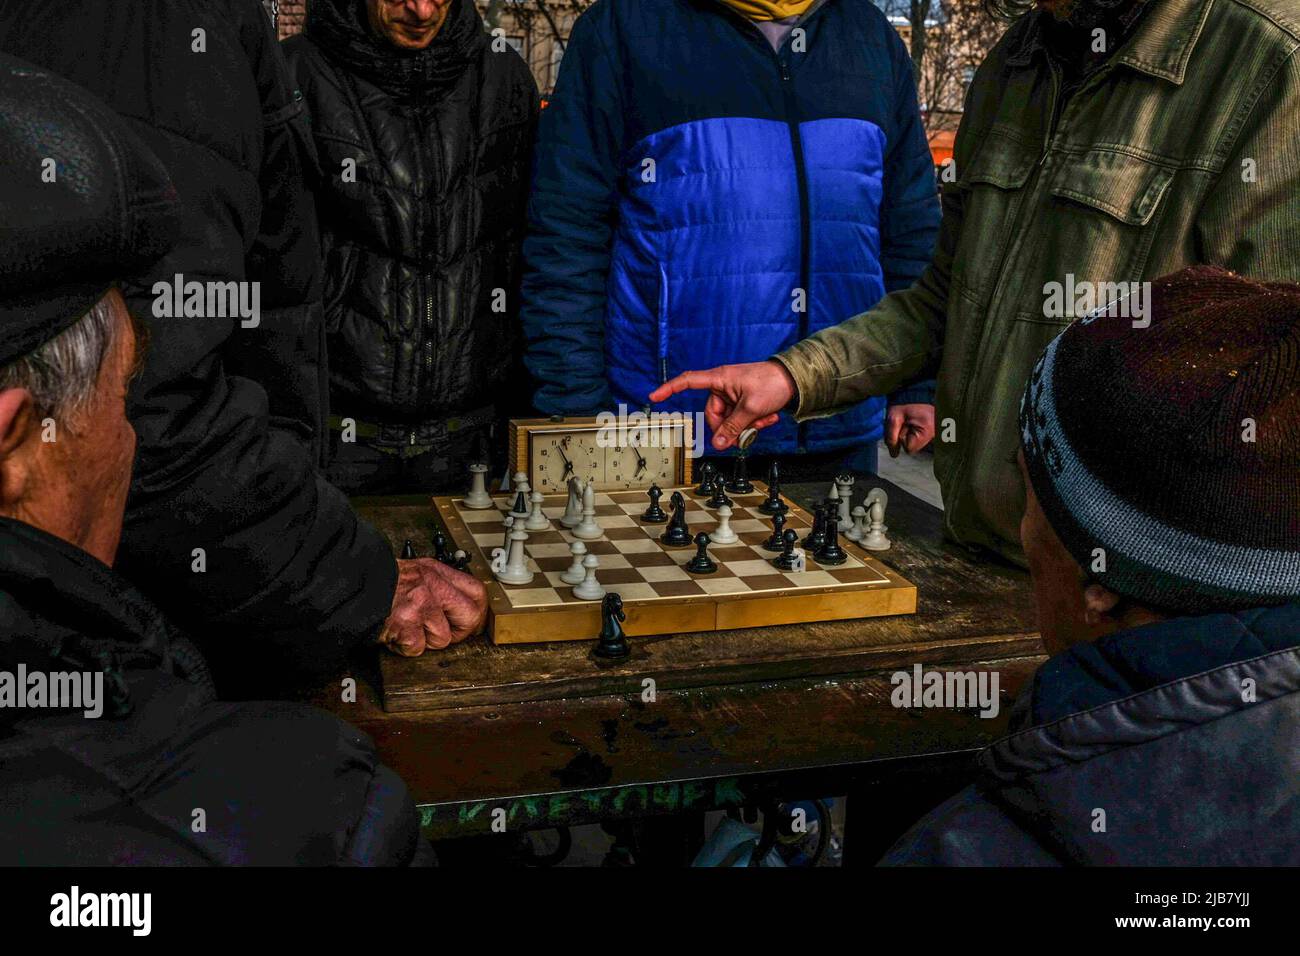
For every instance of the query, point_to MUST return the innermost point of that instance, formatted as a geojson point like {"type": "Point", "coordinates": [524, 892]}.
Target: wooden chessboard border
{"type": "Point", "coordinates": [508, 624]}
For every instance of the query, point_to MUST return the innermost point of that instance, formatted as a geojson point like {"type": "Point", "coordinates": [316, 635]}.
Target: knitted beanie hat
{"type": "Point", "coordinates": [1167, 458]}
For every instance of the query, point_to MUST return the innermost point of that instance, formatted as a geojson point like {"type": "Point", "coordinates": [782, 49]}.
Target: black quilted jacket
{"type": "Point", "coordinates": [1172, 744]}
{"type": "Point", "coordinates": [418, 245]}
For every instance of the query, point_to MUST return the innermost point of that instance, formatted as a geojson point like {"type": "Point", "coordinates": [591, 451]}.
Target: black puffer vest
{"type": "Point", "coordinates": [423, 170]}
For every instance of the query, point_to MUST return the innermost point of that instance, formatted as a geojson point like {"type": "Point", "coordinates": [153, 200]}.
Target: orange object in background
{"type": "Point", "coordinates": [941, 143]}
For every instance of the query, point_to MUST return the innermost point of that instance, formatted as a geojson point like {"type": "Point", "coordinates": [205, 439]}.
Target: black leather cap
{"type": "Point", "coordinates": [109, 213]}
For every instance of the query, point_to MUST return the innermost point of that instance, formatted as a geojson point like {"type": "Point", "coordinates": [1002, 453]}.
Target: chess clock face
{"type": "Point", "coordinates": [552, 451]}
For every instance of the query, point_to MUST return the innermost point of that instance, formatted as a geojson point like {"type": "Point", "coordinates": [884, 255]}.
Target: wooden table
{"type": "Point", "coordinates": [764, 713]}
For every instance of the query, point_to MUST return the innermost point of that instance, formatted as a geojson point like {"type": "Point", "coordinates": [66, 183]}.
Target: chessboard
{"type": "Point", "coordinates": [659, 595]}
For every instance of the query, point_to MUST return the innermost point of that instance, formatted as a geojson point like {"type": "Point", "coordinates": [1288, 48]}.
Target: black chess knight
{"type": "Point", "coordinates": [613, 642]}
{"type": "Point", "coordinates": [677, 535]}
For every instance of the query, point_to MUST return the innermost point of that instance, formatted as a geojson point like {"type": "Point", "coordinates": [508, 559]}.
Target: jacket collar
{"type": "Point", "coordinates": [1161, 44]}
{"type": "Point", "coordinates": [342, 30]}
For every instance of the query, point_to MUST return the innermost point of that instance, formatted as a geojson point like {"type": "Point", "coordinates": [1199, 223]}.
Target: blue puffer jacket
{"type": "Point", "coordinates": [1172, 744]}
{"type": "Point", "coordinates": [691, 183]}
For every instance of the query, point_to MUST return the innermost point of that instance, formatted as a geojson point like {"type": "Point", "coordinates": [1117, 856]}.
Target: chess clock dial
{"type": "Point", "coordinates": [551, 451]}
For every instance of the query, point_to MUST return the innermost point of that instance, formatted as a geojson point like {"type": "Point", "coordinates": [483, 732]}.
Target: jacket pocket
{"type": "Point", "coordinates": [992, 183]}
{"type": "Point", "coordinates": [1115, 197]}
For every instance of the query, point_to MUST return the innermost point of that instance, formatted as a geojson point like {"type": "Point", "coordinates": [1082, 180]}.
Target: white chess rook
{"type": "Point", "coordinates": [537, 520]}
{"type": "Point", "coordinates": [723, 534]}
{"type": "Point", "coordinates": [588, 528]}
{"type": "Point", "coordinates": [590, 589]}
{"type": "Point", "coordinates": [575, 573]}
{"type": "Point", "coordinates": [478, 496]}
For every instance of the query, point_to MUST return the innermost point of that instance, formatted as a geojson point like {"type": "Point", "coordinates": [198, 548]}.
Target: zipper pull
{"type": "Point", "coordinates": [785, 70]}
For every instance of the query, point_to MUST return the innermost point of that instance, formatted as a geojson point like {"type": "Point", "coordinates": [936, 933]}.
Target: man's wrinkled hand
{"type": "Point", "coordinates": [908, 428]}
{"type": "Point", "coordinates": [434, 606]}
{"type": "Point", "coordinates": [740, 397]}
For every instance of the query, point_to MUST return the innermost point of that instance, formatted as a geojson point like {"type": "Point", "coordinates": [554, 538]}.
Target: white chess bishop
{"type": "Point", "coordinates": [511, 567]}
{"type": "Point", "coordinates": [588, 528]}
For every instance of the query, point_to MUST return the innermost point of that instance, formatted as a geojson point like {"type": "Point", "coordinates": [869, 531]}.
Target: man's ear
{"type": "Point", "coordinates": [1098, 603]}
{"type": "Point", "coordinates": [15, 419]}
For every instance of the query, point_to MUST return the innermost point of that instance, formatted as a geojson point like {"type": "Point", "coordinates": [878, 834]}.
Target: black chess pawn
{"type": "Point", "coordinates": [701, 563]}
{"type": "Point", "coordinates": [654, 513]}
{"type": "Point", "coordinates": [774, 543]}
{"type": "Point", "coordinates": [772, 504]}
{"type": "Point", "coordinates": [785, 560]}
{"type": "Point", "coordinates": [719, 497]}
{"type": "Point", "coordinates": [613, 642]}
{"type": "Point", "coordinates": [740, 483]}
{"type": "Point", "coordinates": [831, 553]}
{"type": "Point", "coordinates": [707, 474]}
{"type": "Point", "coordinates": [815, 540]}
{"type": "Point", "coordinates": [677, 535]}
{"type": "Point", "coordinates": [408, 550]}
{"type": "Point", "coordinates": [440, 547]}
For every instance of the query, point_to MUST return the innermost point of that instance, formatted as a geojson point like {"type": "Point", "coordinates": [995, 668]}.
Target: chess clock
{"type": "Point", "coordinates": [619, 455]}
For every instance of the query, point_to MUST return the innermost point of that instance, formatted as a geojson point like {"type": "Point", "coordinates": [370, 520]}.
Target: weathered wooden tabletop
{"type": "Point", "coordinates": [540, 733]}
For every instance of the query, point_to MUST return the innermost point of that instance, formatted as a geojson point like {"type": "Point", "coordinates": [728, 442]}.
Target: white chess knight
{"type": "Point", "coordinates": [573, 507]}
{"type": "Point", "coordinates": [512, 567]}
{"type": "Point", "coordinates": [478, 496]}
{"type": "Point", "coordinates": [575, 573]}
{"type": "Point", "coordinates": [537, 520]}
{"type": "Point", "coordinates": [588, 528]}
{"type": "Point", "coordinates": [723, 533]}
{"type": "Point", "coordinates": [800, 562]}
{"type": "Point", "coordinates": [874, 539]}
{"type": "Point", "coordinates": [589, 589]}
{"type": "Point", "coordinates": [505, 544]}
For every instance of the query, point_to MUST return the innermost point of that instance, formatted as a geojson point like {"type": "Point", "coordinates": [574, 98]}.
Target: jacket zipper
{"type": "Point", "coordinates": [663, 324]}
{"type": "Point", "coordinates": [800, 169]}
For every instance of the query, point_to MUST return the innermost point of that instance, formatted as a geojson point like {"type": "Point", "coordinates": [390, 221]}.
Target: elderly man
{"type": "Point", "coordinates": [231, 527]}
{"type": "Point", "coordinates": [112, 747]}
{"type": "Point", "coordinates": [423, 130]}
{"type": "Point", "coordinates": [1162, 528]}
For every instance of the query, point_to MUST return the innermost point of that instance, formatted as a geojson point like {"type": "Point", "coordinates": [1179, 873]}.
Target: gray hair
{"type": "Point", "coordinates": [62, 374]}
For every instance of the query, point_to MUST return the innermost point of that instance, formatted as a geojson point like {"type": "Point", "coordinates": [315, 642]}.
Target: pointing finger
{"type": "Point", "coordinates": [685, 382]}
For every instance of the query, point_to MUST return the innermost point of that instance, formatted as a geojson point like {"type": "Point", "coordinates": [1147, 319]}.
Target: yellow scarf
{"type": "Point", "coordinates": [769, 9]}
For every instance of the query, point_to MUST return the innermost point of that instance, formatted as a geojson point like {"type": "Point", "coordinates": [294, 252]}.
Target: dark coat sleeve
{"type": "Point", "coordinates": [227, 417]}
{"type": "Point", "coordinates": [968, 829]}
{"type": "Point", "coordinates": [570, 226]}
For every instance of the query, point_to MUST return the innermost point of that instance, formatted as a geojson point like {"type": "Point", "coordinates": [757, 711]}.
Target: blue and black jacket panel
{"type": "Point", "coordinates": [701, 199]}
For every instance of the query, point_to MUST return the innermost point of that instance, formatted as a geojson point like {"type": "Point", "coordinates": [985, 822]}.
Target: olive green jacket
{"type": "Point", "coordinates": [1183, 147]}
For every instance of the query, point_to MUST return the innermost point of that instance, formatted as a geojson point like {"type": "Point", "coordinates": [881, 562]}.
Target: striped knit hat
{"type": "Point", "coordinates": [1167, 458]}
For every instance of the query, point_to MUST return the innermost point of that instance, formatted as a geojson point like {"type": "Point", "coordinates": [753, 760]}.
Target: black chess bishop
{"type": "Point", "coordinates": [719, 497]}
{"type": "Point", "coordinates": [677, 534]}
{"type": "Point", "coordinates": [740, 483]}
{"type": "Point", "coordinates": [772, 504]}
{"type": "Point", "coordinates": [701, 563]}
{"type": "Point", "coordinates": [612, 644]}
{"type": "Point", "coordinates": [408, 550]}
{"type": "Point", "coordinates": [654, 514]}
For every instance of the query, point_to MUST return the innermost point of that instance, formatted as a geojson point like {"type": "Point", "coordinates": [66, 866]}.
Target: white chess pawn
{"type": "Point", "coordinates": [512, 567]}
{"type": "Point", "coordinates": [575, 573]}
{"type": "Point", "coordinates": [521, 483]}
{"type": "Point", "coordinates": [859, 528]}
{"type": "Point", "coordinates": [478, 496]}
{"type": "Point", "coordinates": [723, 533]}
{"type": "Point", "coordinates": [588, 528]}
{"type": "Point", "coordinates": [537, 520]}
{"type": "Point", "coordinates": [874, 539]}
{"type": "Point", "coordinates": [590, 589]}
{"type": "Point", "coordinates": [573, 507]}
